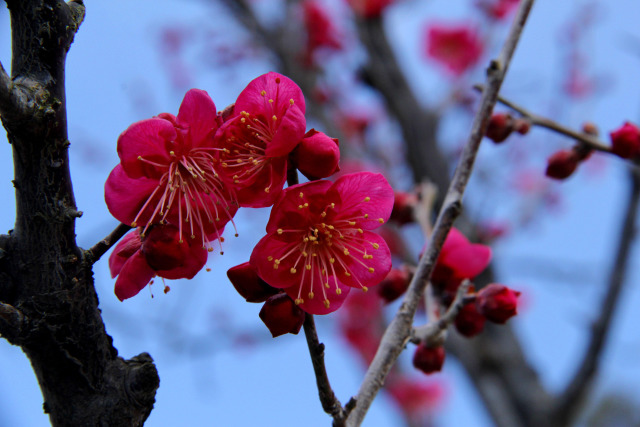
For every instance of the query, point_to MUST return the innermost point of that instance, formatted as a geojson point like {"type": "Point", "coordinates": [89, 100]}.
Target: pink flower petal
{"type": "Point", "coordinates": [291, 130]}
{"type": "Point", "coordinates": [125, 196]}
{"type": "Point", "coordinates": [364, 193]}
{"type": "Point", "coordinates": [454, 239]}
{"type": "Point", "coordinates": [467, 261]}
{"type": "Point", "coordinates": [316, 305]}
{"type": "Point", "coordinates": [133, 277]}
{"type": "Point", "coordinates": [285, 209]}
{"type": "Point", "coordinates": [124, 250]}
{"type": "Point", "coordinates": [198, 112]}
{"type": "Point", "coordinates": [360, 275]}
{"type": "Point", "coordinates": [277, 87]}
{"type": "Point", "coordinates": [273, 177]}
{"type": "Point", "coordinates": [270, 248]}
{"type": "Point", "coordinates": [147, 139]}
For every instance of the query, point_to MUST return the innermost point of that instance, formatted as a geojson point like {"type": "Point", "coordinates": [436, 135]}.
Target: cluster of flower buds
{"type": "Point", "coordinates": [502, 125]}
{"type": "Point", "coordinates": [182, 178]}
{"type": "Point", "coordinates": [563, 163]}
{"type": "Point", "coordinates": [460, 260]}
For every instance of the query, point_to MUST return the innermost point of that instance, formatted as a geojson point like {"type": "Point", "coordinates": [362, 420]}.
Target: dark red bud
{"type": "Point", "coordinates": [317, 155]}
{"type": "Point", "coordinates": [562, 164]}
{"type": "Point", "coordinates": [246, 281]}
{"type": "Point", "coordinates": [625, 141]}
{"type": "Point", "coordinates": [282, 315]}
{"type": "Point", "coordinates": [429, 359]}
{"type": "Point", "coordinates": [403, 206]}
{"type": "Point", "coordinates": [500, 127]}
{"type": "Point", "coordinates": [497, 302]}
{"type": "Point", "coordinates": [469, 322]}
{"type": "Point", "coordinates": [394, 285]}
{"type": "Point", "coordinates": [522, 126]}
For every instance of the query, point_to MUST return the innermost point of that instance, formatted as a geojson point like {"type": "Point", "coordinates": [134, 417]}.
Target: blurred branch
{"type": "Point", "coordinates": [572, 397]}
{"type": "Point", "coordinates": [93, 255]}
{"type": "Point", "coordinates": [330, 402]}
{"type": "Point", "coordinates": [536, 120]}
{"type": "Point", "coordinates": [398, 332]}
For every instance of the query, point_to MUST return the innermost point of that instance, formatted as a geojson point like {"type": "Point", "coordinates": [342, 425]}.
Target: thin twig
{"type": "Point", "coordinates": [93, 255]}
{"type": "Point", "coordinates": [433, 332]}
{"type": "Point", "coordinates": [12, 323]}
{"type": "Point", "coordinates": [330, 402]}
{"type": "Point", "coordinates": [398, 333]}
{"type": "Point", "coordinates": [571, 398]}
{"type": "Point", "coordinates": [537, 120]}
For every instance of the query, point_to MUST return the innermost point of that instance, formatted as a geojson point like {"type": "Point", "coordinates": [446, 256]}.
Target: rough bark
{"type": "Point", "coordinates": [47, 295]}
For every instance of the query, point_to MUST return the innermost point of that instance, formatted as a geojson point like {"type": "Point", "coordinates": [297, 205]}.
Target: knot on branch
{"type": "Point", "coordinates": [141, 380]}
{"type": "Point", "coordinates": [13, 324]}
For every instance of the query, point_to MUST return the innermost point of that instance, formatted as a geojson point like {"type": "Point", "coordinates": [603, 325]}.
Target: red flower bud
{"type": "Point", "coordinates": [497, 302]}
{"type": "Point", "coordinates": [562, 164]}
{"type": "Point", "coordinates": [500, 127]}
{"type": "Point", "coordinates": [317, 155]}
{"type": "Point", "coordinates": [625, 142]}
{"type": "Point", "coordinates": [469, 322]}
{"type": "Point", "coordinates": [590, 128]}
{"type": "Point", "coordinates": [403, 206]}
{"type": "Point", "coordinates": [429, 359]}
{"type": "Point", "coordinates": [246, 281]}
{"type": "Point", "coordinates": [522, 126]}
{"type": "Point", "coordinates": [282, 315]}
{"type": "Point", "coordinates": [394, 285]}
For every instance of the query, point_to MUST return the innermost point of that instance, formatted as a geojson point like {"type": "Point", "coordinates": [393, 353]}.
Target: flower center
{"type": "Point", "coordinates": [191, 186]}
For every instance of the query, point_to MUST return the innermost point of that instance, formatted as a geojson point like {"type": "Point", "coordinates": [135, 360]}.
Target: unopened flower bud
{"type": "Point", "coordinates": [562, 164]}
{"type": "Point", "coordinates": [590, 128]}
{"type": "Point", "coordinates": [394, 285]}
{"type": "Point", "coordinates": [500, 127]}
{"type": "Point", "coordinates": [246, 281]}
{"type": "Point", "coordinates": [625, 141]}
{"type": "Point", "coordinates": [522, 126]}
{"type": "Point", "coordinates": [469, 322]}
{"type": "Point", "coordinates": [282, 315]}
{"type": "Point", "coordinates": [317, 155]}
{"type": "Point", "coordinates": [497, 302]}
{"type": "Point", "coordinates": [429, 359]}
{"type": "Point", "coordinates": [403, 206]}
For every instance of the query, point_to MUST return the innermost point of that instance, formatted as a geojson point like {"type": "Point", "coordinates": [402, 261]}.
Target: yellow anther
{"type": "Point", "coordinates": [371, 270]}
{"type": "Point", "coordinates": [209, 249]}
{"type": "Point", "coordinates": [375, 246]}
{"type": "Point", "coordinates": [301, 195]}
{"type": "Point", "coordinates": [305, 254]}
{"type": "Point", "coordinates": [300, 206]}
{"type": "Point", "coordinates": [243, 120]}
{"type": "Point", "coordinates": [270, 101]}
{"type": "Point", "coordinates": [346, 251]}
{"type": "Point", "coordinates": [366, 199]}
{"type": "Point", "coordinates": [323, 214]}
{"type": "Point", "coordinates": [208, 270]}
{"type": "Point", "coordinates": [269, 258]}
{"type": "Point", "coordinates": [139, 157]}
{"type": "Point", "coordinates": [279, 230]}
{"type": "Point", "coordinates": [314, 254]}
{"type": "Point", "coordinates": [263, 93]}
{"type": "Point", "coordinates": [293, 270]}
{"type": "Point", "coordinates": [333, 205]}
{"type": "Point", "coordinates": [308, 266]}
{"type": "Point", "coordinates": [274, 118]}
{"type": "Point", "coordinates": [171, 153]}
{"type": "Point", "coordinates": [381, 221]}
{"type": "Point", "coordinates": [326, 285]}
{"type": "Point", "coordinates": [291, 101]}
{"type": "Point", "coordinates": [346, 273]}
{"type": "Point", "coordinates": [365, 289]}
{"type": "Point", "coordinates": [360, 230]}
{"type": "Point", "coordinates": [327, 303]}
{"type": "Point", "coordinates": [267, 189]}
{"type": "Point", "coordinates": [332, 260]}
{"type": "Point", "coordinates": [366, 216]}
{"type": "Point", "coordinates": [298, 301]}
{"type": "Point", "coordinates": [338, 291]}
{"type": "Point", "coordinates": [133, 224]}
{"type": "Point", "coordinates": [311, 295]}
{"type": "Point", "coordinates": [276, 261]}
{"type": "Point", "coordinates": [181, 241]}
{"type": "Point", "coordinates": [352, 223]}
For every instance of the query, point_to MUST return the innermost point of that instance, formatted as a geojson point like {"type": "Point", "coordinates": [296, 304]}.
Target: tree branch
{"type": "Point", "coordinates": [13, 324]}
{"type": "Point", "coordinates": [15, 102]}
{"type": "Point", "coordinates": [398, 333]}
{"type": "Point", "coordinates": [93, 255]}
{"type": "Point", "coordinates": [537, 120]}
{"type": "Point", "coordinates": [571, 398]}
{"type": "Point", "coordinates": [433, 332]}
{"type": "Point", "coordinates": [330, 402]}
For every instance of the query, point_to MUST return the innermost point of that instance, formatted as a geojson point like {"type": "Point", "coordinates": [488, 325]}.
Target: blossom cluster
{"type": "Point", "coordinates": [182, 178]}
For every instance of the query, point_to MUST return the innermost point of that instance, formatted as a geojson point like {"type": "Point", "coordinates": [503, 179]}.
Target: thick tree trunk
{"type": "Point", "coordinates": [48, 304]}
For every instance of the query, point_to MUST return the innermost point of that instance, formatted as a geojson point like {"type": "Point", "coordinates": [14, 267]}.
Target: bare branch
{"type": "Point", "coordinates": [330, 402]}
{"type": "Point", "coordinates": [93, 255]}
{"type": "Point", "coordinates": [536, 120]}
{"type": "Point", "coordinates": [433, 332]}
{"type": "Point", "coordinates": [15, 103]}
{"type": "Point", "coordinates": [77, 9]}
{"type": "Point", "coordinates": [398, 333]}
{"type": "Point", "coordinates": [12, 323]}
{"type": "Point", "coordinates": [578, 387]}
